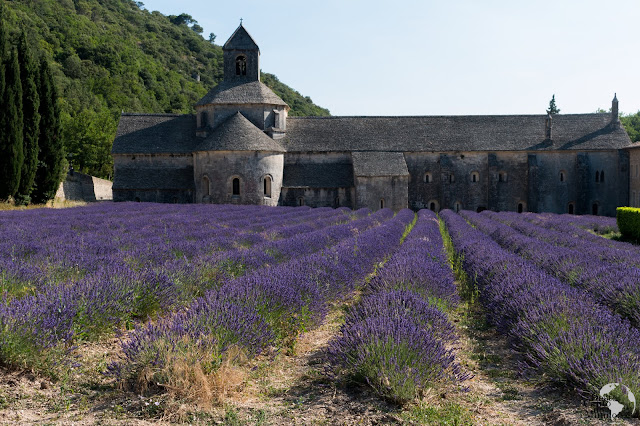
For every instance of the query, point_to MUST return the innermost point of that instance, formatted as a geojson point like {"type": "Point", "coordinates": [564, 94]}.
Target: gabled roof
{"type": "Point", "coordinates": [454, 133]}
{"type": "Point", "coordinates": [240, 40]}
{"type": "Point", "coordinates": [371, 164]}
{"type": "Point", "coordinates": [318, 175]}
{"type": "Point", "coordinates": [237, 133]}
{"type": "Point", "coordinates": [153, 178]}
{"type": "Point", "coordinates": [238, 92]}
{"type": "Point", "coordinates": [155, 133]}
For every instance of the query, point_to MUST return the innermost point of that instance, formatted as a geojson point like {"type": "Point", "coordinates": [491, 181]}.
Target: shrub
{"type": "Point", "coordinates": [628, 219]}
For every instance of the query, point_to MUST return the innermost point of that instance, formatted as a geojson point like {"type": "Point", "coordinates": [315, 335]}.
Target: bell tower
{"type": "Point", "coordinates": [241, 57]}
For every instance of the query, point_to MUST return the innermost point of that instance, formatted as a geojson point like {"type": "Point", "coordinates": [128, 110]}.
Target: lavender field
{"type": "Point", "coordinates": [198, 313]}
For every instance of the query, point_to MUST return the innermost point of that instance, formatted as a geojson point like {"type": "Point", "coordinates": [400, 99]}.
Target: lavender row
{"type": "Point", "coordinates": [616, 285]}
{"type": "Point", "coordinates": [396, 337]}
{"type": "Point", "coordinates": [561, 330]}
{"type": "Point", "coordinates": [268, 307]}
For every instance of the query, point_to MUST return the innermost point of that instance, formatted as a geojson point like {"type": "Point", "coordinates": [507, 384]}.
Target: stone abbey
{"type": "Point", "coordinates": [241, 147]}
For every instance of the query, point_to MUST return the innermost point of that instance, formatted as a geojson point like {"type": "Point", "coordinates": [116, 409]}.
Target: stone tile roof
{"type": "Point", "coordinates": [453, 133]}
{"type": "Point", "coordinates": [318, 175]}
{"type": "Point", "coordinates": [155, 133]}
{"type": "Point", "coordinates": [369, 164]}
{"type": "Point", "coordinates": [153, 178]}
{"type": "Point", "coordinates": [240, 40]}
{"type": "Point", "coordinates": [237, 92]}
{"type": "Point", "coordinates": [237, 133]}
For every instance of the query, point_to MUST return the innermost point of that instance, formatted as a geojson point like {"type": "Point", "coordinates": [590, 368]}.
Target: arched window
{"type": "Point", "coordinates": [235, 187]}
{"type": "Point", "coordinates": [382, 203]}
{"type": "Point", "coordinates": [267, 186]}
{"type": "Point", "coordinates": [594, 209]}
{"type": "Point", "coordinates": [301, 201]}
{"type": "Point", "coordinates": [597, 176]}
{"type": "Point", "coordinates": [502, 177]}
{"type": "Point", "coordinates": [206, 186]}
{"type": "Point", "coordinates": [457, 206]}
{"type": "Point", "coordinates": [520, 207]}
{"type": "Point", "coordinates": [433, 205]}
{"type": "Point", "coordinates": [428, 177]}
{"type": "Point", "coordinates": [452, 178]}
{"type": "Point", "coordinates": [241, 65]}
{"type": "Point", "coordinates": [475, 177]}
{"type": "Point", "coordinates": [563, 176]}
{"type": "Point", "coordinates": [571, 208]}
{"type": "Point", "coordinates": [336, 202]}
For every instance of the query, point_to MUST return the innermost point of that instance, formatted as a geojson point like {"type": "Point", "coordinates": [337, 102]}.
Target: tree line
{"type": "Point", "coordinates": [32, 159]}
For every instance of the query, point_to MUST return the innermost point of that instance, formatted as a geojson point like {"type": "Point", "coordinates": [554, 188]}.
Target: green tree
{"type": "Point", "coordinates": [212, 38]}
{"type": "Point", "coordinates": [11, 152]}
{"type": "Point", "coordinates": [51, 157]}
{"type": "Point", "coordinates": [31, 120]}
{"type": "Point", "coordinates": [631, 123]}
{"type": "Point", "coordinates": [553, 109]}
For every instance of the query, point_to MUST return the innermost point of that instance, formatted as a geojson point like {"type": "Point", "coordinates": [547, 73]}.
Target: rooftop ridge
{"type": "Point", "coordinates": [151, 114]}
{"type": "Point", "coordinates": [333, 117]}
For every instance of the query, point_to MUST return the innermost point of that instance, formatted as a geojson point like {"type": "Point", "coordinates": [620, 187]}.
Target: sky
{"type": "Point", "coordinates": [426, 57]}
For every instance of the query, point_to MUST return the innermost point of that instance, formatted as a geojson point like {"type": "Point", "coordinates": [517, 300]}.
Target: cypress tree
{"type": "Point", "coordinates": [51, 161]}
{"type": "Point", "coordinates": [31, 120]}
{"type": "Point", "coordinates": [11, 153]}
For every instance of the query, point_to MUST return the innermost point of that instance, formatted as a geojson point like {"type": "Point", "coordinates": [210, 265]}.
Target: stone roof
{"type": "Point", "coordinates": [239, 92]}
{"type": "Point", "coordinates": [318, 175]}
{"type": "Point", "coordinates": [369, 164]}
{"type": "Point", "coordinates": [453, 133]}
{"type": "Point", "coordinates": [237, 133]}
{"type": "Point", "coordinates": [155, 133]}
{"type": "Point", "coordinates": [153, 178]}
{"type": "Point", "coordinates": [240, 40]}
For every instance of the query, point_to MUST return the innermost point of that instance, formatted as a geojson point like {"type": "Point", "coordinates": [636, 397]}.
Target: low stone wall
{"type": "Point", "coordinates": [81, 187]}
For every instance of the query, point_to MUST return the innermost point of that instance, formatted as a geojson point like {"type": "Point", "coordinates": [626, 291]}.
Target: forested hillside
{"type": "Point", "coordinates": [109, 56]}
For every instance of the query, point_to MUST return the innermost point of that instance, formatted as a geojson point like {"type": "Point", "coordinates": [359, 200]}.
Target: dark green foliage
{"type": "Point", "coordinates": [112, 56]}
{"type": "Point", "coordinates": [553, 109]}
{"type": "Point", "coordinates": [300, 106]}
{"type": "Point", "coordinates": [11, 150]}
{"type": "Point", "coordinates": [51, 161]}
{"type": "Point", "coordinates": [31, 120]}
{"type": "Point", "coordinates": [631, 123]}
{"type": "Point", "coordinates": [628, 219]}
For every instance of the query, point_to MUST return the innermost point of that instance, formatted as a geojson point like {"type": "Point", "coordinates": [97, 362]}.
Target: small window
{"type": "Point", "coordinates": [301, 201]}
{"type": "Point", "coordinates": [382, 203]}
{"type": "Point", "coordinates": [428, 178]}
{"type": "Point", "coordinates": [562, 176]}
{"type": "Point", "coordinates": [206, 187]}
{"type": "Point", "coordinates": [137, 199]}
{"type": "Point", "coordinates": [594, 209]}
{"type": "Point", "coordinates": [457, 206]}
{"type": "Point", "coordinates": [241, 65]}
{"type": "Point", "coordinates": [267, 186]}
{"type": "Point", "coordinates": [502, 177]}
{"type": "Point", "coordinates": [520, 207]}
{"type": "Point", "coordinates": [235, 187]}
{"type": "Point", "coordinates": [475, 177]}
{"type": "Point", "coordinates": [452, 178]}
{"type": "Point", "coordinates": [571, 208]}
{"type": "Point", "coordinates": [336, 202]}
{"type": "Point", "coordinates": [433, 205]}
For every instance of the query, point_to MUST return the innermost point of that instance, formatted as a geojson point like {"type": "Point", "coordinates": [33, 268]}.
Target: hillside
{"type": "Point", "coordinates": [110, 56]}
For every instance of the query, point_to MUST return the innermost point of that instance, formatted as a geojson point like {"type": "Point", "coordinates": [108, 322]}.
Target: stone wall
{"type": "Point", "coordinates": [382, 191]}
{"type": "Point", "coordinates": [318, 197]}
{"type": "Point", "coordinates": [82, 187]}
{"type": "Point", "coordinates": [634, 177]}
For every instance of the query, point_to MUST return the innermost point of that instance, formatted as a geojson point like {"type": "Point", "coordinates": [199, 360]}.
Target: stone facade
{"type": "Point", "coordinates": [241, 147]}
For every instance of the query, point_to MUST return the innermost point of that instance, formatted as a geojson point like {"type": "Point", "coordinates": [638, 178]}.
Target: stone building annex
{"type": "Point", "coordinates": [240, 147]}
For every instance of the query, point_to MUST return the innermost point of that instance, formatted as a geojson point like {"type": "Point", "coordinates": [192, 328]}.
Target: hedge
{"type": "Point", "coordinates": [628, 219]}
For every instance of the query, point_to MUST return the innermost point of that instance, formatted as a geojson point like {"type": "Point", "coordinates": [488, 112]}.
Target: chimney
{"type": "Point", "coordinates": [547, 127]}
{"type": "Point", "coordinates": [614, 108]}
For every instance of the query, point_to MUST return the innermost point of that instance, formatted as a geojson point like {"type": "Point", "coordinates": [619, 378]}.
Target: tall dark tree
{"type": "Point", "coordinates": [11, 152]}
{"type": "Point", "coordinates": [553, 109]}
{"type": "Point", "coordinates": [51, 162]}
{"type": "Point", "coordinates": [31, 120]}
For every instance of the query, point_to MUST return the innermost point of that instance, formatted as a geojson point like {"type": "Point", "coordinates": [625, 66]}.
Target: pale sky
{"type": "Point", "coordinates": [455, 57]}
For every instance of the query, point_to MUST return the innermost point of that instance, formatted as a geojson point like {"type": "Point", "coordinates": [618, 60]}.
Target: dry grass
{"type": "Point", "coordinates": [56, 203]}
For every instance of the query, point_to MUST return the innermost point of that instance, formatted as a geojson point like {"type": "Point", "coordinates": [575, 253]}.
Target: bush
{"type": "Point", "coordinates": [628, 219]}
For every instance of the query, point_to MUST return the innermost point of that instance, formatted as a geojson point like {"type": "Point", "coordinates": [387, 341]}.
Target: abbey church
{"type": "Point", "coordinates": [241, 147]}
